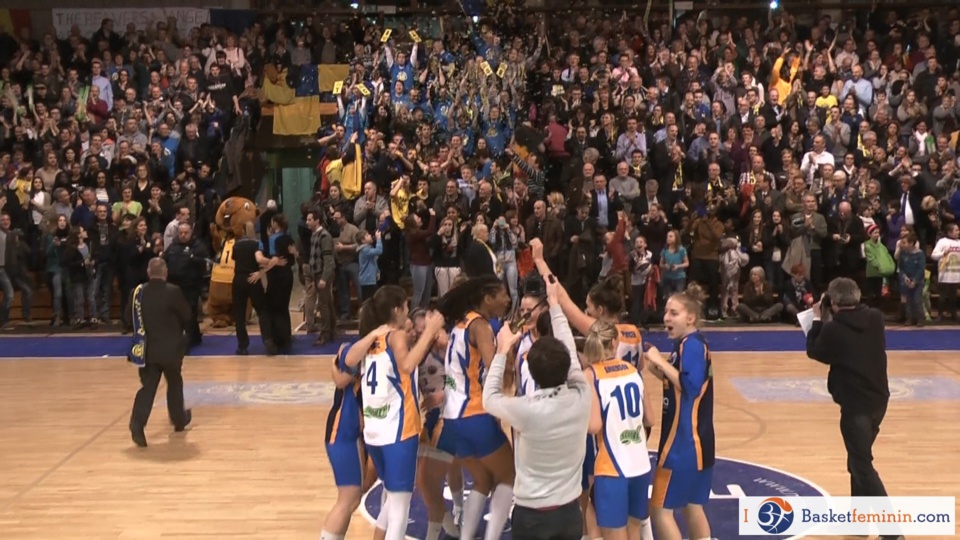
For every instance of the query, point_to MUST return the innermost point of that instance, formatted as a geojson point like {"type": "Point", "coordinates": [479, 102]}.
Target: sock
{"type": "Point", "coordinates": [384, 511]}
{"type": "Point", "coordinates": [457, 495]}
{"type": "Point", "coordinates": [450, 525]}
{"type": "Point", "coordinates": [433, 531]}
{"type": "Point", "coordinates": [398, 502]}
{"type": "Point", "coordinates": [500, 503]}
{"type": "Point", "coordinates": [324, 535]}
{"type": "Point", "coordinates": [472, 512]}
{"type": "Point", "coordinates": [646, 529]}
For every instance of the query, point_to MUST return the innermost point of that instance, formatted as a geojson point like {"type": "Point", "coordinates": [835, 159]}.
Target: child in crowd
{"type": "Point", "coordinates": [369, 251]}
{"type": "Point", "coordinates": [911, 260]}
{"type": "Point", "coordinates": [732, 259]}
{"type": "Point", "coordinates": [641, 265]}
{"type": "Point", "coordinates": [947, 254]}
{"type": "Point", "coordinates": [673, 265]}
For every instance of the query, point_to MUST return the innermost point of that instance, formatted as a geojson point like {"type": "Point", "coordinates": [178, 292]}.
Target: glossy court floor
{"type": "Point", "coordinates": [254, 467]}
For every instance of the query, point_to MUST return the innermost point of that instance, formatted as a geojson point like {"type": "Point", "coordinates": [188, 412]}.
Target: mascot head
{"type": "Point", "coordinates": [234, 214]}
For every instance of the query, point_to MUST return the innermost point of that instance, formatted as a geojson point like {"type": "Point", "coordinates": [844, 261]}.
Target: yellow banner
{"type": "Point", "coordinates": [302, 117]}
{"type": "Point", "coordinates": [328, 74]}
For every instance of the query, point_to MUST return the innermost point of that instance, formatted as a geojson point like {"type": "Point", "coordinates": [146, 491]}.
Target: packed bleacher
{"type": "Point", "coordinates": [760, 154]}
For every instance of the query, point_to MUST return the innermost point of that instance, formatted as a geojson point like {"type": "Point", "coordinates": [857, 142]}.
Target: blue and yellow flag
{"type": "Point", "coordinates": [137, 355]}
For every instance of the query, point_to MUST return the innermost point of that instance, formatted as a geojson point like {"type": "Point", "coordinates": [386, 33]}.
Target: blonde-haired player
{"type": "Point", "coordinates": [688, 446]}
{"type": "Point", "coordinates": [622, 467]}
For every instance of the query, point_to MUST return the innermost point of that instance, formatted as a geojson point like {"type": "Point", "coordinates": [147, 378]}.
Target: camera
{"type": "Point", "coordinates": [825, 303]}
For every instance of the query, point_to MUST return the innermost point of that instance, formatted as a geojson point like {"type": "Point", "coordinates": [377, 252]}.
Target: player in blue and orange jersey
{"type": "Point", "coordinates": [391, 404]}
{"type": "Point", "coordinates": [621, 469]}
{"type": "Point", "coordinates": [480, 441]}
{"type": "Point", "coordinates": [687, 442]}
{"type": "Point", "coordinates": [436, 452]}
{"type": "Point", "coordinates": [345, 448]}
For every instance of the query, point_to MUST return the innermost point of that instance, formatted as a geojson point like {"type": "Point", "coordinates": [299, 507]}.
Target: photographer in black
{"type": "Point", "coordinates": [849, 337]}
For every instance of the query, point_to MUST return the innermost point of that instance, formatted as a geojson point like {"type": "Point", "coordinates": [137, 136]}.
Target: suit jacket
{"type": "Point", "coordinates": [477, 261]}
{"type": "Point", "coordinates": [165, 317]}
{"type": "Point", "coordinates": [614, 205]}
{"type": "Point", "coordinates": [551, 234]}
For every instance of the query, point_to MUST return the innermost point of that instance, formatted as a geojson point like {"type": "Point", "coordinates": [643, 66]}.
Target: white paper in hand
{"type": "Point", "coordinates": [805, 318]}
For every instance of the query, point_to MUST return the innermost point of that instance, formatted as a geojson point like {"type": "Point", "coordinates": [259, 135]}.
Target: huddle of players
{"type": "Point", "coordinates": [412, 387]}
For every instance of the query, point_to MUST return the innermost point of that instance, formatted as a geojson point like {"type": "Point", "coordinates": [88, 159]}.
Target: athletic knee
{"type": "Point", "coordinates": [349, 499]}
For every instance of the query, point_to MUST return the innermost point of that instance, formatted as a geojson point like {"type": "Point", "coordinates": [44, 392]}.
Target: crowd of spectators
{"type": "Point", "coordinates": [108, 143]}
{"type": "Point", "coordinates": [758, 156]}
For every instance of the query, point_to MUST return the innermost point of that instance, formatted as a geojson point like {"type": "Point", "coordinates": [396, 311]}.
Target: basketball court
{"type": "Point", "coordinates": [253, 466]}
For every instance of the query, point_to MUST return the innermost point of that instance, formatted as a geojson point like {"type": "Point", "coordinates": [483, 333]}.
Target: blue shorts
{"type": "Point", "coordinates": [437, 434]}
{"type": "Point", "coordinates": [589, 460]}
{"type": "Point", "coordinates": [475, 436]}
{"type": "Point", "coordinates": [677, 489]}
{"type": "Point", "coordinates": [396, 464]}
{"type": "Point", "coordinates": [346, 463]}
{"type": "Point", "coordinates": [615, 499]}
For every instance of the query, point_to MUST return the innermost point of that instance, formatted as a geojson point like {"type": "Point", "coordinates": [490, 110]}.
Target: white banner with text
{"type": "Point", "coordinates": [849, 516]}
{"type": "Point", "coordinates": [89, 20]}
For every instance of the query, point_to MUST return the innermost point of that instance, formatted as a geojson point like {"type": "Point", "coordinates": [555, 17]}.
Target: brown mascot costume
{"type": "Point", "coordinates": [232, 217]}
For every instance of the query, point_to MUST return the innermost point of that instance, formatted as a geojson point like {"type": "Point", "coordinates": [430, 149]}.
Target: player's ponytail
{"type": "Point", "coordinates": [600, 341]}
{"type": "Point", "coordinates": [379, 308]}
{"type": "Point", "coordinates": [467, 297]}
{"type": "Point", "coordinates": [608, 295]}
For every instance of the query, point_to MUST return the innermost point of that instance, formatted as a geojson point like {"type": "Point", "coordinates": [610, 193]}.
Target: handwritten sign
{"type": "Point", "coordinates": [89, 20]}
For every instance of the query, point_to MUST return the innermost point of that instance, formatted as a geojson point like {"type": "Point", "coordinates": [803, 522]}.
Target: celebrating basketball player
{"type": "Point", "coordinates": [436, 462]}
{"type": "Point", "coordinates": [687, 448]}
{"type": "Point", "coordinates": [391, 408]}
{"type": "Point", "coordinates": [343, 446]}
{"type": "Point", "coordinates": [480, 441]}
{"type": "Point", "coordinates": [622, 468]}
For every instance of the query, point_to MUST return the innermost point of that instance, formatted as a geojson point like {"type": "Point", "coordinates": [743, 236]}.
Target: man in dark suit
{"type": "Point", "coordinates": [166, 315]}
{"type": "Point", "coordinates": [605, 203]}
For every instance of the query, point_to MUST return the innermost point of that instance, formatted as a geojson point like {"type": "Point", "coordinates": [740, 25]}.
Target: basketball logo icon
{"type": "Point", "coordinates": [775, 515]}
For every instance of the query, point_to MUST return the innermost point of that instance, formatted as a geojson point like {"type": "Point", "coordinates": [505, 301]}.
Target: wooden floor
{"type": "Point", "coordinates": [256, 468]}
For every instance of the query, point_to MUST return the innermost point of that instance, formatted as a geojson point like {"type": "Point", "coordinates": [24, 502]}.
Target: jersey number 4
{"type": "Point", "coordinates": [629, 399]}
{"type": "Point", "coordinates": [372, 377]}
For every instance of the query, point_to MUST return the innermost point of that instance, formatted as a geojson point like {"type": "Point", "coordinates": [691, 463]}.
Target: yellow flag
{"type": "Point", "coordinates": [386, 35]}
{"type": "Point", "coordinates": [487, 70]}
{"type": "Point", "coordinates": [501, 70]}
{"type": "Point", "coordinates": [415, 36]}
{"type": "Point", "coordinates": [337, 88]}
